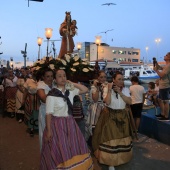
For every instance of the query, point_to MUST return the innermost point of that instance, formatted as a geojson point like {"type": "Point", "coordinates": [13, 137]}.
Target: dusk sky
{"type": "Point", "coordinates": [136, 23]}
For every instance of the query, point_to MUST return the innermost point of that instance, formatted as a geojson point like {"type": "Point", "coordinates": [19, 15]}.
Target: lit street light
{"type": "Point", "coordinates": [39, 42]}
{"type": "Point", "coordinates": [146, 54]}
{"type": "Point", "coordinates": [48, 34]}
{"type": "Point", "coordinates": [158, 40]}
{"type": "Point", "coordinates": [97, 42]}
{"type": "Point", "coordinates": [79, 47]}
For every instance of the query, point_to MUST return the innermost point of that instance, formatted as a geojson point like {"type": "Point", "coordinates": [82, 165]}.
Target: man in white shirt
{"type": "Point", "coordinates": [137, 93]}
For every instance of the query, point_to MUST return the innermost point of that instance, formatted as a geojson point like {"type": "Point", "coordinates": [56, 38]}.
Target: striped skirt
{"type": "Point", "coordinates": [10, 95]}
{"type": "Point", "coordinates": [19, 99]}
{"type": "Point", "coordinates": [31, 103]}
{"type": "Point", "coordinates": [112, 142]}
{"type": "Point", "coordinates": [93, 114]}
{"type": "Point", "coordinates": [67, 150]}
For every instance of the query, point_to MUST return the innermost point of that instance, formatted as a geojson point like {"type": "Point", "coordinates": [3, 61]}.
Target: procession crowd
{"type": "Point", "coordinates": [68, 137]}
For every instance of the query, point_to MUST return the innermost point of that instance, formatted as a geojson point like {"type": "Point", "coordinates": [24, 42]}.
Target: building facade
{"type": "Point", "coordinates": [91, 52]}
{"type": "Point", "coordinates": [118, 54]}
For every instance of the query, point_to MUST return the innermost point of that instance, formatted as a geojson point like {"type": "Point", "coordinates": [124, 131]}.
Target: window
{"type": "Point", "coordinates": [114, 51]}
{"type": "Point", "coordinates": [135, 53]}
{"type": "Point", "coordinates": [121, 52]}
{"type": "Point", "coordinates": [134, 60]}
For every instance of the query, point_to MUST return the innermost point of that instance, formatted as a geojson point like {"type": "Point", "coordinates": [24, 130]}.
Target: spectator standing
{"type": "Point", "coordinates": [164, 88]}
{"type": "Point", "coordinates": [137, 93]}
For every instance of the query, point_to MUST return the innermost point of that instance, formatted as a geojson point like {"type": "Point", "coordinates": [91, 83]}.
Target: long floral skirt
{"type": "Point", "coordinates": [111, 141]}
{"type": "Point", "coordinates": [67, 150]}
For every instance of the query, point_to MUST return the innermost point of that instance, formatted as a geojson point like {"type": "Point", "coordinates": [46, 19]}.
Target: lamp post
{"type": "Point", "coordinates": [79, 47]}
{"type": "Point", "coordinates": [146, 54]}
{"type": "Point", "coordinates": [158, 40]}
{"type": "Point", "coordinates": [39, 42]}
{"type": "Point", "coordinates": [97, 42]}
{"type": "Point", "coordinates": [48, 34]}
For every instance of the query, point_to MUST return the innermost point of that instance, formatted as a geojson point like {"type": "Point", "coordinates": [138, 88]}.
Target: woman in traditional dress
{"type": "Point", "coordinates": [31, 103]}
{"type": "Point", "coordinates": [10, 84]}
{"type": "Point", "coordinates": [19, 95]}
{"type": "Point", "coordinates": [96, 105]}
{"type": "Point", "coordinates": [112, 142]}
{"type": "Point", "coordinates": [64, 146]}
{"type": "Point", "coordinates": [43, 88]}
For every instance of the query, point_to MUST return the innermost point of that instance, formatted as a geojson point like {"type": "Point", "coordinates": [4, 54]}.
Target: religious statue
{"type": "Point", "coordinates": [67, 30]}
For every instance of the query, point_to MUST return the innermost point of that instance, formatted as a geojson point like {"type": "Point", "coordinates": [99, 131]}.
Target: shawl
{"type": "Point", "coordinates": [57, 93]}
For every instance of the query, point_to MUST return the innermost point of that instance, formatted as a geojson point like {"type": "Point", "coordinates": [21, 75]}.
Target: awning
{"type": "Point", "coordinates": [113, 65]}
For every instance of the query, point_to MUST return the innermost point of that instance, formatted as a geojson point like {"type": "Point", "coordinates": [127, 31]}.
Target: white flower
{"type": "Point", "coordinates": [91, 69]}
{"type": "Point", "coordinates": [84, 59]}
{"type": "Point", "coordinates": [84, 63]}
{"type": "Point", "coordinates": [58, 59]}
{"type": "Point", "coordinates": [67, 58]}
{"type": "Point", "coordinates": [42, 62]}
{"type": "Point", "coordinates": [72, 69]}
{"type": "Point", "coordinates": [85, 69]}
{"type": "Point", "coordinates": [37, 68]}
{"type": "Point", "coordinates": [38, 61]}
{"type": "Point", "coordinates": [44, 58]}
{"type": "Point", "coordinates": [62, 68]}
{"type": "Point", "coordinates": [76, 64]}
{"type": "Point", "coordinates": [52, 66]}
{"type": "Point", "coordinates": [64, 62]}
{"type": "Point", "coordinates": [76, 58]}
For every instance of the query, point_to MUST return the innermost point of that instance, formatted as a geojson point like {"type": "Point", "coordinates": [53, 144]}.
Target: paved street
{"type": "Point", "coordinates": [19, 151]}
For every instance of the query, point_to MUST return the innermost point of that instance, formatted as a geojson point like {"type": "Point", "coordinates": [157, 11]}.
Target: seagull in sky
{"type": "Point", "coordinates": [109, 4]}
{"type": "Point", "coordinates": [106, 31]}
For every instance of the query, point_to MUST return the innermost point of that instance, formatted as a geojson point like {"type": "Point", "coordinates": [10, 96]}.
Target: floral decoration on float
{"type": "Point", "coordinates": [77, 69]}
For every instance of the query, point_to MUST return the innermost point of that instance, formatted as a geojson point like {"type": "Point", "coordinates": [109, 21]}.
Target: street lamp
{"type": "Point", "coordinates": [147, 48]}
{"type": "Point", "coordinates": [48, 34]}
{"type": "Point", "coordinates": [97, 42]}
{"type": "Point", "coordinates": [79, 47]}
{"type": "Point", "coordinates": [158, 40]}
{"type": "Point", "coordinates": [39, 42]}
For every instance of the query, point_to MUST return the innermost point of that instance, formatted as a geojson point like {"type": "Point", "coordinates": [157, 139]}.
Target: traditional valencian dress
{"type": "Point", "coordinates": [42, 110]}
{"type": "Point", "coordinates": [10, 93]}
{"type": "Point", "coordinates": [93, 111]}
{"type": "Point", "coordinates": [31, 103]}
{"type": "Point", "coordinates": [112, 142]}
{"type": "Point", "coordinates": [67, 149]}
{"type": "Point", "coordinates": [19, 98]}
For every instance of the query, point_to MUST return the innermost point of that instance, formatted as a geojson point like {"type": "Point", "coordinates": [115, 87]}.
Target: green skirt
{"type": "Point", "coordinates": [112, 141]}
